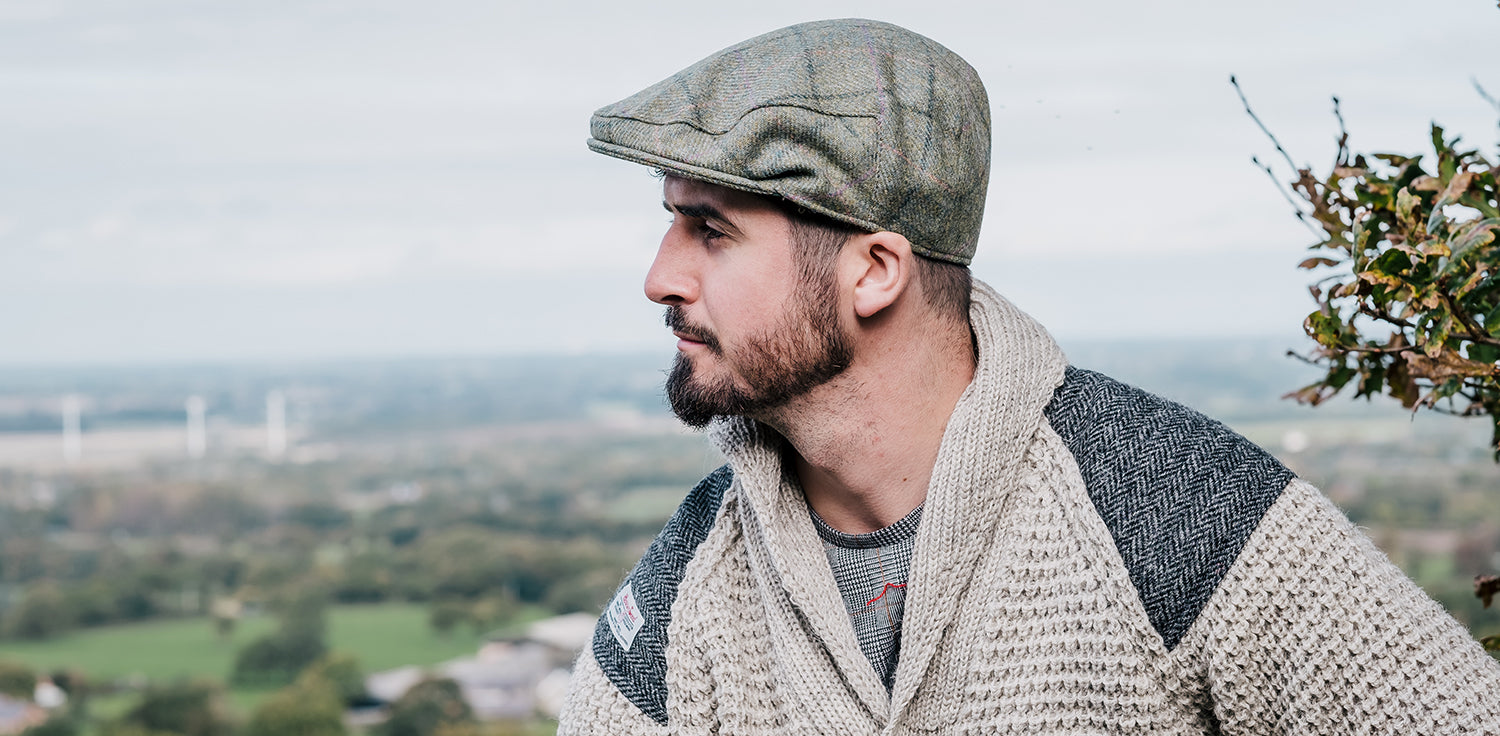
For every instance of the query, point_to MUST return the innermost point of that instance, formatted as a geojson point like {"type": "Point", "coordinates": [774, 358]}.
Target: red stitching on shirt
{"type": "Point", "coordinates": [887, 587]}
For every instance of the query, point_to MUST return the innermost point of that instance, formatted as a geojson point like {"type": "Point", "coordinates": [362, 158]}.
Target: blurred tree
{"type": "Point", "coordinates": [16, 679]}
{"type": "Point", "coordinates": [191, 708]}
{"type": "Point", "coordinates": [427, 706]}
{"type": "Point", "coordinates": [135, 597]}
{"type": "Point", "coordinates": [72, 682]}
{"type": "Point", "coordinates": [496, 609]}
{"type": "Point", "coordinates": [366, 578]}
{"type": "Point", "coordinates": [463, 562]}
{"type": "Point", "coordinates": [23, 557]}
{"type": "Point", "coordinates": [446, 614]}
{"type": "Point", "coordinates": [227, 513]}
{"type": "Point", "coordinates": [319, 515]}
{"type": "Point", "coordinates": [311, 707]}
{"type": "Point", "coordinates": [277, 658]}
{"type": "Point", "coordinates": [342, 672]}
{"type": "Point", "coordinates": [43, 613]}
{"type": "Point", "coordinates": [221, 572]}
{"type": "Point", "coordinates": [75, 684]}
{"type": "Point", "coordinates": [93, 602]}
{"type": "Point", "coordinates": [132, 729]}
{"type": "Point", "coordinates": [586, 591]}
{"type": "Point", "coordinates": [60, 724]}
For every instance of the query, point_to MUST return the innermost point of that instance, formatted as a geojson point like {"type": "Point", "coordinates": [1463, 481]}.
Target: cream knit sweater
{"type": "Point", "coordinates": [1091, 559]}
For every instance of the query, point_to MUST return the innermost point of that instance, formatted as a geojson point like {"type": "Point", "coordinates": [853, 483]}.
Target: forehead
{"type": "Point", "coordinates": [680, 192]}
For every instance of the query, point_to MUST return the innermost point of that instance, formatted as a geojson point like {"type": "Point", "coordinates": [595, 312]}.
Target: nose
{"type": "Point", "coordinates": [671, 279]}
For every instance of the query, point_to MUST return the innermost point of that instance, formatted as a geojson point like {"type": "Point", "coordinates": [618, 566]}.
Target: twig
{"type": "Point", "coordinates": [1296, 208]}
{"type": "Point", "coordinates": [1262, 126]}
{"type": "Point", "coordinates": [1301, 357]}
{"type": "Point", "coordinates": [1377, 350]}
{"type": "Point", "coordinates": [1474, 331]}
{"type": "Point", "coordinates": [1441, 410]}
{"type": "Point", "coordinates": [1366, 310]}
{"type": "Point", "coordinates": [1338, 114]}
{"type": "Point", "coordinates": [1485, 95]}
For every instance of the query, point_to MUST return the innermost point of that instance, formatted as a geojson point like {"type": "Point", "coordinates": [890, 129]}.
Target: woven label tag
{"type": "Point", "coordinates": [624, 617]}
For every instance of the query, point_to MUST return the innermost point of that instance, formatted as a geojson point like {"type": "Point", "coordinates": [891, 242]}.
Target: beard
{"type": "Point", "coordinates": [805, 350]}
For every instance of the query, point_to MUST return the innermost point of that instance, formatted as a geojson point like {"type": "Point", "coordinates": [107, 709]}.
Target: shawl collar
{"type": "Point", "coordinates": [1019, 366]}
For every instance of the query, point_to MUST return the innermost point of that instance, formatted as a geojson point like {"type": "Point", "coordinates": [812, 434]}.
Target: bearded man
{"type": "Point", "coordinates": [929, 522]}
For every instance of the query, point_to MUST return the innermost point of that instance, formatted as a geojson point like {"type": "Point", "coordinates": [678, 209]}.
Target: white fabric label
{"type": "Point", "coordinates": [624, 617]}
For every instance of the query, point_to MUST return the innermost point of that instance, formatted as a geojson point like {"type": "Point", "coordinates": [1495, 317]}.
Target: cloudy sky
{"type": "Point", "coordinates": [182, 180]}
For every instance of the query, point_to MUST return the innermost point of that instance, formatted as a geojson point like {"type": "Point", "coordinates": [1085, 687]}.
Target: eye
{"type": "Point", "coordinates": [709, 232]}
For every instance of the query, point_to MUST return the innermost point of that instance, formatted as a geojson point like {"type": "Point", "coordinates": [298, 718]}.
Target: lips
{"type": "Point", "coordinates": [677, 322]}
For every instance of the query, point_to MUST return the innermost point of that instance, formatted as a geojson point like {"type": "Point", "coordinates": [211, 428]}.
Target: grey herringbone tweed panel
{"type": "Point", "coordinates": [641, 673]}
{"type": "Point", "coordinates": [1180, 492]}
{"type": "Point", "coordinates": [861, 121]}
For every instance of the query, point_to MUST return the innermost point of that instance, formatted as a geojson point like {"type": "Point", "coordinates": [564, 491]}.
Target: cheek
{"type": "Point", "coordinates": [749, 311]}
{"type": "Point", "coordinates": [746, 296]}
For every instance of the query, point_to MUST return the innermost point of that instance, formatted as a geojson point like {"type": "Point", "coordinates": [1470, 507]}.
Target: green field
{"type": "Point", "coordinates": [652, 503]}
{"type": "Point", "coordinates": [382, 636]}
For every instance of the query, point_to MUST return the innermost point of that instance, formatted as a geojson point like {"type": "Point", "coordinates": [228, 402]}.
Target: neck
{"type": "Point", "coordinates": [864, 444]}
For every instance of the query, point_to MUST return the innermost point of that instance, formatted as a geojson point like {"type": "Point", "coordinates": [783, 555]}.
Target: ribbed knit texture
{"type": "Point", "coordinates": [1021, 616]}
{"type": "Point", "coordinates": [1355, 641]}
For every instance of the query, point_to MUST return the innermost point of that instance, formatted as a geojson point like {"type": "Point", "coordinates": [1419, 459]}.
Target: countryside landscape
{"type": "Point", "coordinates": [419, 546]}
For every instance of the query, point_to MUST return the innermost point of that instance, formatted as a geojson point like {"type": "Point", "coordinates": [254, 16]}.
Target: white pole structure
{"type": "Point", "coordinates": [197, 427]}
{"type": "Point", "coordinates": [275, 425]}
{"type": "Point", "coordinates": [72, 438]}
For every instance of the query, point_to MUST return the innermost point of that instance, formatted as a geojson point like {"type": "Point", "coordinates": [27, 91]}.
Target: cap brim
{"type": "Point", "coordinates": [718, 177]}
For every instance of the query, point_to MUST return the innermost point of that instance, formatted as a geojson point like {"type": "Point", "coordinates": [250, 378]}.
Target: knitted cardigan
{"type": "Point", "coordinates": [1091, 559]}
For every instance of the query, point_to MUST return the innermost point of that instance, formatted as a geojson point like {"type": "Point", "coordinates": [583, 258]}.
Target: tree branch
{"type": "Point", "coordinates": [1383, 316]}
{"type": "Point", "coordinates": [1474, 332]}
{"type": "Point", "coordinates": [1296, 208]}
{"type": "Point", "coordinates": [1485, 95]}
{"type": "Point", "coordinates": [1377, 350]}
{"type": "Point", "coordinates": [1342, 159]}
{"type": "Point", "coordinates": [1262, 126]}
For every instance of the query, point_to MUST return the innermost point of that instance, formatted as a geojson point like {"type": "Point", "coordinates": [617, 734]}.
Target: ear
{"type": "Point", "coordinates": [884, 264]}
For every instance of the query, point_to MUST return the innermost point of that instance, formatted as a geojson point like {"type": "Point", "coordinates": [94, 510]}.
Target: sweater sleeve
{"type": "Point", "coordinates": [595, 706]}
{"type": "Point", "coordinates": [1314, 631]}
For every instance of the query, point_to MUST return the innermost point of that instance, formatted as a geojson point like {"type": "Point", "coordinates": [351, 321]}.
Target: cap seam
{"type": "Point", "coordinates": [737, 120]}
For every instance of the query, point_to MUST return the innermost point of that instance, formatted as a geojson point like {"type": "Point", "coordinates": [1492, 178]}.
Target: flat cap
{"type": "Point", "coordinates": [862, 121]}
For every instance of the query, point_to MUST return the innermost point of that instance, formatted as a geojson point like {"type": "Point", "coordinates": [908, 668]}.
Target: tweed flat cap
{"type": "Point", "coordinates": [861, 121]}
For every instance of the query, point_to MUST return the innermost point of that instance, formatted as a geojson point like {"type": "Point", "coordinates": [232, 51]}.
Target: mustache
{"type": "Point", "coordinates": [677, 321]}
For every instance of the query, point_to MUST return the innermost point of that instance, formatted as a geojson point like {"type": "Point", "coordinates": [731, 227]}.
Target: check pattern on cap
{"type": "Point", "coordinates": [861, 121]}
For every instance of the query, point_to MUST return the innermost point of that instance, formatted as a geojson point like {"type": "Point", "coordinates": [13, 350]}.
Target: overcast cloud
{"type": "Point", "coordinates": [188, 180]}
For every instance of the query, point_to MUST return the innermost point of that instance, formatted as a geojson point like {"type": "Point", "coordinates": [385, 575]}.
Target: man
{"type": "Point", "coordinates": [928, 521]}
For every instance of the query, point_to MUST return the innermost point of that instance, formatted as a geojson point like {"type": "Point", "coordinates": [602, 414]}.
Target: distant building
{"type": "Point", "coordinates": [17, 715]}
{"type": "Point", "coordinates": [566, 635]}
{"type": "Point", "coordinates": [390, 685]}
{"type": "Point", "coordinates": [48, 695]}
{"type": "Point", "coordinates": [508, 678]}
{"type": "Point", "coordinates": [500, 683]}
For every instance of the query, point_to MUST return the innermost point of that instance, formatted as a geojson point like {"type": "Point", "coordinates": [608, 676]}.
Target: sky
{"type": "Point", "coordinates": [191, 181]}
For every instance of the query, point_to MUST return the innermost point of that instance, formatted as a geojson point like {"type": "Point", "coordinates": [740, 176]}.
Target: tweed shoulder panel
{"type": "Point", "coordinates": [640, 672]}
{"type": "Point", "coordinates": [1180, 492]}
